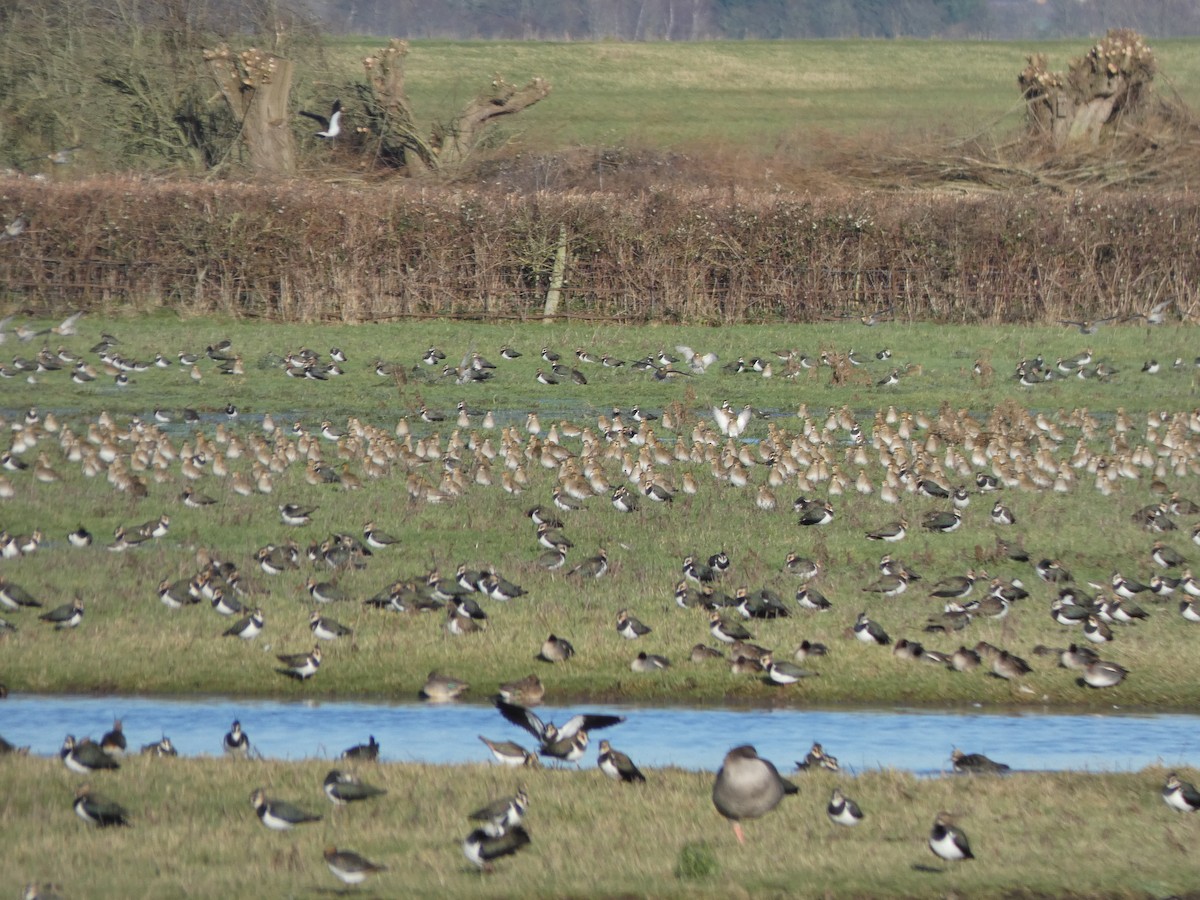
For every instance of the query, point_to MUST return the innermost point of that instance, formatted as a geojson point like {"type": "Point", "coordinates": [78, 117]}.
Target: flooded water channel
{"type": "Point", "coordinates": [917, 740]}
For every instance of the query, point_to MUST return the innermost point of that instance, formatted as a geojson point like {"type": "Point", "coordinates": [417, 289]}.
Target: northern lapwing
{"type": "Point", "coordinates": [300, 666]}
{"type": "Point", "coordinates": [341, 788]}
{"type": "Point", "coordinates": [331, 126]}
{"type": "Point", "coordinates": [726, 632]}
{"type": "Point", "coordinates": [248, 627]}
{"type": "Point", "coordinates": [1052, 571]}
{"type": "Point", "coordinates": [700, 573]}
{"type": "Point", "coordinates": [1097, 631]}
{"type": "Point", "coordinates": [617, 765]}
{"type": "Point", "coordinates": [781, 672]}
{"type": "Point", "coordinates": [817, 515]}
{"type": "Point", "coordinates": [84, 757]}
{"type": "Point", "coordinates": [502, 815]}
{"type": "Point", "coordinates": [842, 810]}
{"type": "Point", "coordinates": [225, 604]}
{"type": "Point", "coordinates": [748, 787]}
{"type": "Point", "coordinates": [481, 848]}
{"type": "Point", "coordinates": [161, 747]}
{"type": "Point", "coordinates": [349, 867]}
{"type": "Point", "coordinates": [1166, 557]}
{"type": "Point", "coordinates": [327, 629]}
{"type": "Point", "coordinates": [975, 764]}
{"type": "Point", "coordinates": [870, 632]}
{"type": "Point", "coordinates": [1180, 795]}
{"type": "Point", "coordinates": [593, 567]}
{"type": "Point", "coordinates": [629, 627]}
{"type": "Point", "coordinates": [948, 841]}
{"type": "Point", "coordinates": [888, 585]}
{"type": "Point", "coordinates": [891, 532]}
{"type": "Point", "coordinates": [113, 742]}
{"type": "Point", "coordinates": [295, 514]}
{"type": "Point", "coordinates": [177, 594]}
{"type": "Point", "coordinates": [762, 604]}
{"type": "Point", "coordinates": [509, 753]}
{"type": "Point", "coordinates": [568, 741]}
{"type": "Point", "coordinates": [368, 752]}
{"type": "Point", "coordinates": [324, 591]}
{"type": "Point", "coordinates": [944, 522]}
{"type": "Point", "coordinates": [14, 597]}
{"type": "Point", "coordinates": [553, 559]}
{"type": "Point", "coordinates": [96, 810]}
{"type": "Point", "coordinates": [377, 539]}
{"type": "Point", "coordinates": [279, 815]}
{"type": "Point", "coordinates": [69, 615]}
{"type": "Point", "coordinates": [236, 742]}
{"type": "Point", "coordinates": [955, 587]}
{"type": "Point", "coordinates": [812, 599]}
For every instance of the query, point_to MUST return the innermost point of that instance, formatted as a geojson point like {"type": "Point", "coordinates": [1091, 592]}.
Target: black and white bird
{"type": "Point", "coordinates": [342, 788]}
{"type": "Point", "coordinates": [330, 127]}
{"type": "Point", "coordinates": [278, 815]}
{"type": "Point", "coordinates": [568, 741]}
{"type": "Point", "coordinates": [235, 742]}
{"type": "Point", "coordinates": [947, 841]}
{"type": "Point", "coordinates": [95, 810]}
{"type": "Point", "coordinates": [1180, 795]}
{"type": "Point", "coordinates": [842, 810]}
{"type": "Point", "coordinates": [480, 848]}
{"type": "Point", "coordinates": [617, 765]}
{"type": "Point", "coordinates": [502, 815]}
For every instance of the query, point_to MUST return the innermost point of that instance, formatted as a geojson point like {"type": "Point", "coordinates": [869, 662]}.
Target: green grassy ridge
{"type": "Point", "coordinates": [194, 833]}
{"type": "Point", "coordinates": [390, 655]}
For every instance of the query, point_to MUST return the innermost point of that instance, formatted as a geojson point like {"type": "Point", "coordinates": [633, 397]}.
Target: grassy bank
{"type": "Point", "coordinates": [129, 642]}
{"type": "Point", "coordinates": [194, 833]}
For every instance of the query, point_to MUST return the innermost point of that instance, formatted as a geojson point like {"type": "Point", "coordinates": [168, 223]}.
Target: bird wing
{"type": "Point", "coordinates": [523, 718]}
{"type": "Point", "coordinates": [324, 122]}
{"type": "Point", "coordinates": [587, 722]}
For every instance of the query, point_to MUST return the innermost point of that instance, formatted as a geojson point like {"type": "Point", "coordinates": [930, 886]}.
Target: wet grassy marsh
{"type": "Point", "coordinates": [129, 642]}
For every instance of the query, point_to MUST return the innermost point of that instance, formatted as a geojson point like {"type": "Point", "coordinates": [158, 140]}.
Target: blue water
{"type": "Point", "coordinates": [907, 739]}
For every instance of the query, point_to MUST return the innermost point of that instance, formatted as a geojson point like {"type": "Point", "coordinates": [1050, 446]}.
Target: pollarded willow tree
{"type": "Point", "coordinates": [256, 85]}
{"type": "Point", "coordinates": [449, 143]}
{"type": "Point", "coordinates": [1077, 107]}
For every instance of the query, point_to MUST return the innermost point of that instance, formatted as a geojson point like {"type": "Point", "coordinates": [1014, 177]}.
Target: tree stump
{"type": "Point", "coordinates": [256, 85]}
{"type": "Point", "coordinates": [449, 143]}
{"type": "Point", "coordinates": [1076, 107]}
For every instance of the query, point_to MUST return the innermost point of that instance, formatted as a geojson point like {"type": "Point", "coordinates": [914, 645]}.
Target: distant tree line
{"type": "Point", "coordinates": [690, 20]}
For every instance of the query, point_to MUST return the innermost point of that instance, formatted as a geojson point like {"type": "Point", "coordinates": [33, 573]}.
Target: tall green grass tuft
{"type": "Point", "coordinates": [697, 861]}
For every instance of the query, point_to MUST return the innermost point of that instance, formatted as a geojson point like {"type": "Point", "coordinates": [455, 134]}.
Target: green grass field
{"type": "Point", "coordinates": [762, 96]}
{"type": "Point", "coordinates": [130, 642]}
{"type": "Point", "coordinates": [194, 833]}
